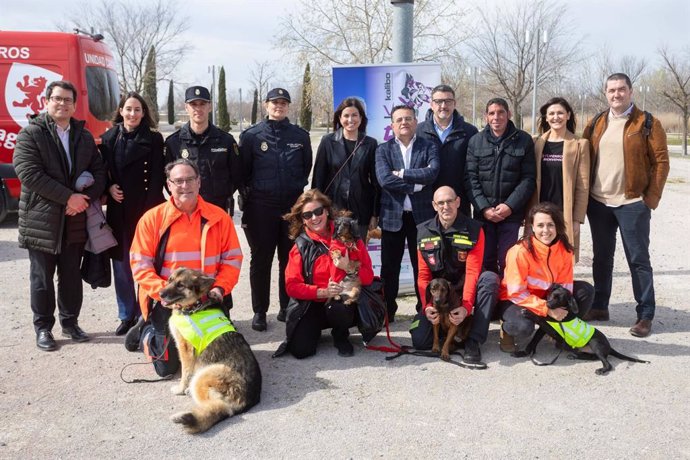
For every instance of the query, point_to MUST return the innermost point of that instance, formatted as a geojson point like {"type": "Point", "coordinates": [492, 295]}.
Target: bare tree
{"type": "Point", "coordinates": [133, 28]}
{"type": "Point", "coordinates": [260, 77]}
{"type": "Point", "coordinates": [604, 64]}
{"type": "Point", "coordinates": [501, 48]}
{"type": "Point", "coordinates": [338, 32]}
{"type": "Point", "coordinates": [676, 86]}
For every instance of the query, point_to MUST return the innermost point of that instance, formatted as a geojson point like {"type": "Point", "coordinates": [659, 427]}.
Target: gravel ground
{"type": "Point", "coordinates": [72, 403]}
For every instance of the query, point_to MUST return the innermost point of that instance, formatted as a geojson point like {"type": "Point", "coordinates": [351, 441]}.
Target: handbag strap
{"type": "Point", "coordinates": [349, 157]}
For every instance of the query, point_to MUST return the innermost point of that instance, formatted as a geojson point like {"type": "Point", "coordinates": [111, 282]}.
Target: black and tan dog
{"type": "Point", "coordinates": [588, 342]}
{"type": "Point", "coordinates": [345, 239]}
{"type": "Point", "coordinates": [218, 366]}
{"type": "Point", "coordinates": [444, 299]}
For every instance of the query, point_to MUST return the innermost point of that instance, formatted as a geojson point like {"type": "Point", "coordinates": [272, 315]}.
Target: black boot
{"type": "Point", "coordinates": [259, 322]}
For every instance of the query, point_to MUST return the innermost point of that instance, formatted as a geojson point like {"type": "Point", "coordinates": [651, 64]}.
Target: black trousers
{"type": "Point", "coordinates": [266, 230]}
{"type": "Point", "coordinates": [422, 330]}
{"type": "Point", "coordinates": [392, 249]}
{"type": "Point", "coordinates": [69, 287]}
{"type": "Point", "coordinates": [307, 333]}
{"type": "Point", "coordinates": [521, 327]}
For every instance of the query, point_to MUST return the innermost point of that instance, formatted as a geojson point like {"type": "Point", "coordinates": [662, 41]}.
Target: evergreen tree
{"type": "Point", "coordinates": [171, 105]}
{"type": "Point", "coordinates": [150, 92]}
{"type": "Point", "coordinates": [223, 115]}
{"type": "Point", "coordinates": [255, 106]}
{"type": "Point", "coordinates": [306, 112]}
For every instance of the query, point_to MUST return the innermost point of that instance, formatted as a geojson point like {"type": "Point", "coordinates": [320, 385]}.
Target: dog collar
{"type": "Point", "coordinates": [201, 304]}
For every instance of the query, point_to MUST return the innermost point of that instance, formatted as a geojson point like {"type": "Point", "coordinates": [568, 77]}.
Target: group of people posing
{"type": "Point", "coordinates": [419, 188]}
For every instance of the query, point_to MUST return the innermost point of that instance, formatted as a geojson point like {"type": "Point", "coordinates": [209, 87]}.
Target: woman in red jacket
{"type": "Point", "coordinates": [308, 279]}
{"type": "Point", "coordinates": [543, 256]}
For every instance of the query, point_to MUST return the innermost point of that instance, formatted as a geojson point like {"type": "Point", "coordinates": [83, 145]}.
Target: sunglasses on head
{"type": "Point", "coordinates": [309, 214]}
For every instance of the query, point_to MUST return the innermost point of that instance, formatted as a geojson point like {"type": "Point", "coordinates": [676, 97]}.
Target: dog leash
{"type": "Point", "coordinates": [156, 358]}
{"type": "Point", "coordinates": [540, 363]}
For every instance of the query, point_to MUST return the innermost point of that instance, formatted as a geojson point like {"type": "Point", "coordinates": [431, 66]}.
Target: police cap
{"type": "Point", "coordinates": [196, 93]}
{"type": "Point", "coordinates": [278, 93]}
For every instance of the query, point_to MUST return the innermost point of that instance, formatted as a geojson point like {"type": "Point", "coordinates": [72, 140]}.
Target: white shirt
{"type": "Point", "coordinates": [406, 153]}
{"type": "Point", "coordinates": [63, 134]}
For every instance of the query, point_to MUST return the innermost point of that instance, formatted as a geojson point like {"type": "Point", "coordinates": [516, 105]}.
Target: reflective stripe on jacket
{"type": "Point", "coordinates": [527, 277]}
{"type": "Point", "coordinates": [202, 327]}
{"type": "Point", "coordinates": [215, 243]}
{"type": "Point", "coordinates": [575, 332]}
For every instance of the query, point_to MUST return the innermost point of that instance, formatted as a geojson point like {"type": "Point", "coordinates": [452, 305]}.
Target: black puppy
{"type": "Point", "coordinates": [588, 342]}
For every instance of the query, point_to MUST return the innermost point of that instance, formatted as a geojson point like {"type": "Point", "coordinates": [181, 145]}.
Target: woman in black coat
{"type": "Point", "coordinates": [133, 152]}
{"type": "Point", "coordinates": [344, 169]}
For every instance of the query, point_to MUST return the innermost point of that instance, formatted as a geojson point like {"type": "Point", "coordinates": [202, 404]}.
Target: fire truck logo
{"type": "Point", "coordinates": [34, 100]}
{"type": "Point", "coordinates": [414, 94]}
{"type": "Point", "coordinates": [25, 90]}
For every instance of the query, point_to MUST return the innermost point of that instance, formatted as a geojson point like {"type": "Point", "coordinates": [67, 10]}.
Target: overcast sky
{"type": "Point", "coordinates": [235, 33]}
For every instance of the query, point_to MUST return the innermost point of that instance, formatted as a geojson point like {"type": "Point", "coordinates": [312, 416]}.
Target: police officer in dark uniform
{"type": "Point", "coordinates": [451, 246]}
{"type": "Point", "coordinates": [277, 159]}
{"type": "Point", "coordinates": [214, 151]}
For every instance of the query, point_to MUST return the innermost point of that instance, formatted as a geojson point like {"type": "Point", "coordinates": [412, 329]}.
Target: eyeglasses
{"type": "Point", "coordinates": [441, 204]}
{"type": "Point", "coordinates": [60, 100]}
{"type": "Point", "coordinates": [443, 101]}
{"type": "Point", "coordinates": [184, 180]}
{"type": "Point", "coordinates": [316, 212]}
{"type": "Point", "coordinates": [405, 119]}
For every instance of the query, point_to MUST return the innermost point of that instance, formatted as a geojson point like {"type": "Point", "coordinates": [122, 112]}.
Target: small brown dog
{"type": "Point", "coordinates": [444, 300]}
{"type": "Point", "coordinates": [344, 255]}
{"type": "Point", "coordinates": [218, 366]}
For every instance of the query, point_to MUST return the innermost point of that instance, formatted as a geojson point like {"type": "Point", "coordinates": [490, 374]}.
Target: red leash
{"type": "Point", "coordinates": [395, 348]}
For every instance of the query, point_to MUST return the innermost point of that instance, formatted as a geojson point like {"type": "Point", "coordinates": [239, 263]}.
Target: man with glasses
{"type": "Point", "coordinates": [52, 152]}
{"type": "Point", "coordinates": [451, 133]}
{"type": "Point", "coordinates": [186, 231]}
{"type": "Point", "coordinates": [451, 246]}
{"type": "Point", "coordinates": [406, 166]}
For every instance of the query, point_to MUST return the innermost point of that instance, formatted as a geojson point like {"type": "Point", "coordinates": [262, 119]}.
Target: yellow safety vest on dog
{"type": "Point", "coordinates": [202, 327]}
{"type": "Point", "coordinates": [575, 332]}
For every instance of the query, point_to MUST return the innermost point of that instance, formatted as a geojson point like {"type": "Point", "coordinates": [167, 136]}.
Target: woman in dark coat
{"type": "Point", "coordinates": [353, 186]}
{"type": "Point", "coordinates": [133, 152]}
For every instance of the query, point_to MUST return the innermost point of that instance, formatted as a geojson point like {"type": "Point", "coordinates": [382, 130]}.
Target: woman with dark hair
{"type": "Point", "coordinates": [308, 279]}
{"type": "Point", "coordinates": [133, 152]}
{"type": "Point", "coordinates": [542, 257]}
{"type": "Point", "coordinates": [562, 166]}
{"type": "Point", "coordinates": [344, 168]}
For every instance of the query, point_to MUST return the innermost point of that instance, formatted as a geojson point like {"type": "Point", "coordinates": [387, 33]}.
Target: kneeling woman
{"type": "Point", "coordinates": [543, 256]}
{"type": "Point", "coordinates": [308, 280]}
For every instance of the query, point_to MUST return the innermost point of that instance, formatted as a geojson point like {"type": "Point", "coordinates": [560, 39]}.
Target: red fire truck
{"type": "Point", "coordinates": [29, 61]}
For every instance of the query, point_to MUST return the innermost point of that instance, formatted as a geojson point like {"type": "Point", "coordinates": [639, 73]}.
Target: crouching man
{"type": "Point", "coordinates": [451, 246]}
{"type": "Point", "coordinates": [185, 231]}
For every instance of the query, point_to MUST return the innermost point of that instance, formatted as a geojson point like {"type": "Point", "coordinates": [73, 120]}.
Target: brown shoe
{"type": "Point", "coordinates": [642, 328]}
{"type": "Point", "coordinates": [507, 342]}
{"type": "Point", "coordinates": [596, 315]}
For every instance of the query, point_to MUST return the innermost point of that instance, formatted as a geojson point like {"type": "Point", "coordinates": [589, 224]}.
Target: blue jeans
{"type": "Point", "coordinates": [498, 238]}
{"type": "Point", "coordinates": [127, 305]}
{"type": "Point", "coordinates": [633, 221]}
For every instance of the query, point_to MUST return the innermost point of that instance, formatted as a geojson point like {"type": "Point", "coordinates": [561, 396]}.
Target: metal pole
{"type": "Point", "coordinates": [402, 30]}
{"type": "Point", "coordinates": [474, 97]}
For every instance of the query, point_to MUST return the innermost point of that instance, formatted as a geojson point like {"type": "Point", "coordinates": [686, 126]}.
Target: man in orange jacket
{"type": "Point", "coordinates": [185, 231]}
{"type": "Point", "coordinates": [451, 246]}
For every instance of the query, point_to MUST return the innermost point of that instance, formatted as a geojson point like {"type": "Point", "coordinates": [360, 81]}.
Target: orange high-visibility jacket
{"type": "Point", "coordinates": [188, 244]}
{"type": "Point", "coordinates": [527, 278]}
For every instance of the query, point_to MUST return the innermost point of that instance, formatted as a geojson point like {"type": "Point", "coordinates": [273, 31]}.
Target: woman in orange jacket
{"type": "Point", "coordinates": [542, 257]}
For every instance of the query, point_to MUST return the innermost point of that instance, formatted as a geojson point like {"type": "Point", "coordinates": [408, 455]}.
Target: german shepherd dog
{"type": "Point", "coordinates": [224, 379]}
{"type": "Point", "coordinates": [443, 299]}
{"type": "Point", "coordinates": [598, 346]}
{"type": "Point", "coordinates": [345, 240]}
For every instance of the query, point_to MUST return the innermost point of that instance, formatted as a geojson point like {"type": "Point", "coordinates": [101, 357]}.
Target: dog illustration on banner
{"type": "Point", "coordinates": [413, 94]}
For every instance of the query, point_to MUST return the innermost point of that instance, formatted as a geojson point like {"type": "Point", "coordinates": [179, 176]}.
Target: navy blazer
{"type": "Point", "coordinates": [424, 168]}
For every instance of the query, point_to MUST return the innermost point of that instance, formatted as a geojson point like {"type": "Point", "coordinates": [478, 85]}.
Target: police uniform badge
{"type": "Point", "coordinates": [264, 146]}
{"type": "Point", "coordinates": [185, 153]}
{"type": "Point", "coordinates": [196, 93]}
{"type": "Point", "coordinates": [280, 91]}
